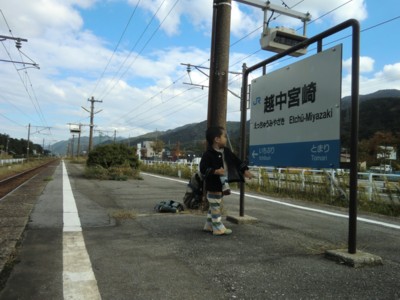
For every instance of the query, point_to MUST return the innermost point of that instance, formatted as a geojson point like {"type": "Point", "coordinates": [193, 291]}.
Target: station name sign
{"type": "Point", "coordinates": [295, 114]}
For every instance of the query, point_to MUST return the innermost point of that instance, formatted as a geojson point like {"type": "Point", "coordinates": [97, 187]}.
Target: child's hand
{"type": "Point", "coordinates": [248, 174]}
{"type": "Point", "coordinates": [219, 171]}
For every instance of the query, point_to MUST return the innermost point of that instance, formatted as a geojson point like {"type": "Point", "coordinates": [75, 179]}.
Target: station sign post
{"type": "Point", "coordinates": [295, 114]}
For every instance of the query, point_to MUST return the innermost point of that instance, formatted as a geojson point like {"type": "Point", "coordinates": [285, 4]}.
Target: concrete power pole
{"type": "Point", "coordinates": [29, 136]}
{"type": "Point", "coordinates": [92, 101]}
{"type": "Point", "coordinates": [78, 151]}
{"type": "Point", "coordinates": [219, 64]}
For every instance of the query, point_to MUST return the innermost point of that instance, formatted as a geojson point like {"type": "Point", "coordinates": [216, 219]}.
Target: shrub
{"type": "Point", "coordinates": [112, 155]}
{"type": "Point", "coordinates": [115, 161]}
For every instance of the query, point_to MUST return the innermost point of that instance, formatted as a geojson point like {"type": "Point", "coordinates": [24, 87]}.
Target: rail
{"type": "Point", "coordinates": [10, 183]}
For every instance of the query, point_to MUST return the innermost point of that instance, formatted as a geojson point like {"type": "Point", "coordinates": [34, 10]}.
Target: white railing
{"type": "Point", "coordinates": [380, 184]}
{"type": "Point", "coordinates": [11, 161]}
{"type": "Point", "coordinates": [384, 184]}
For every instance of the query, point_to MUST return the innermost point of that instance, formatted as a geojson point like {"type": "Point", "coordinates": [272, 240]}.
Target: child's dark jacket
{"type": "Point", "coordinates": [212, 160]}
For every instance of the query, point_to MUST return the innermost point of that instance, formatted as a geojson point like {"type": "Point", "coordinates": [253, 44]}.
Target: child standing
{"type": "Point", "coordinates": [219, 166]}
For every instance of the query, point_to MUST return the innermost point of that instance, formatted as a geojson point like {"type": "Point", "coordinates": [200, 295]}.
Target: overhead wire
{"type": "Point", "coordinates": [189, 103]}
{"type": "Point", "coordinates": [173, 83]}
{"type": "Point", "coordinates": [367, 29]}
{"type": "Point", "coordinates": [182, 106]}
{"type": "Point", "coordinates": [109, 88]}
{"type": "Point", "coordinates": [33, 98]}
{"type": "Point", "coordinates": [13, 121]}
{"type": "Point", "coordinates": [234, 64]}
{"type": "Point", "coordinates": [371, 27]}
{"type": "Point", "coordinates": [329, 12]}
{"type": "Point", "coordinates": [285, 59]}
{"type": "Point", "coordinates": [151, 108]}
{"type": "Point", "coordinates": [165, 89]}
{"type": "Point", "coordinates": [166, 101]}
{"type": "Point", "coordinates": [144, 46]}
{"type": "Point", "coordinates": [116, 47]}
{"type": "Point", "coordinates": [152, 97]}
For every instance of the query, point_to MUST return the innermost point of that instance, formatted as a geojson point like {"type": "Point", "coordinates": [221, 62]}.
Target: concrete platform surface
{"type": "Point", "coordinates": [277, 251]}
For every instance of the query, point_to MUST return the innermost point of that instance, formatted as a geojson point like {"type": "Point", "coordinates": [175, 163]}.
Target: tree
{"type": "Point", "coordinates": [375, 150]}
{"type": "Point", "coordinates": [176, 152]}
{"type": "Point", "coordinates": [18, 147]}
{"type": "Point", "coordinates": [158, 146]}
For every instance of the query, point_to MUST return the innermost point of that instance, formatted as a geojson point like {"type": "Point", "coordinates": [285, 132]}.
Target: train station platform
{"type": "Point", "coordinates": [124, 249]}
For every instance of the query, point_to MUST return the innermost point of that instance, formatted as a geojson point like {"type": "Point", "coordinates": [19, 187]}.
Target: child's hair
{"type": "Point", "coordinates": [213, 132]}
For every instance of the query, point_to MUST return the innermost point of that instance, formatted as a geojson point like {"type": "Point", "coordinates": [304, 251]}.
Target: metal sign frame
{"type": "Point", "coordinates": [355, 72]}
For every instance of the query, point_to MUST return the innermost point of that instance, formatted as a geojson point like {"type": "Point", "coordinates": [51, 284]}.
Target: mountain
{"type": "Point", "coordinates": [190, 137]}
{"type": "Point", "coordinates": [61, 148]}
{"type": "Point", "coordinates": [376, 95]}
{"type": "Point", "coordinates": [379, 111]}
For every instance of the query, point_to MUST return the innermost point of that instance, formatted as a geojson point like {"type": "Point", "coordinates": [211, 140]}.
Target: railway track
{"type": "Point", "coordinates": [9, 184]}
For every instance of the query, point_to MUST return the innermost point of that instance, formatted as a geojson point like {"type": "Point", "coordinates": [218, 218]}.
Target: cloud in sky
{"type": "Point", "coordinates": [145, 90]}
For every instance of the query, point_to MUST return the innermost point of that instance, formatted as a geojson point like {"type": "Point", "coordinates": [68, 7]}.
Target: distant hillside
{"type": "Point", "coordinates": [17, 147]}
{"type": "Point", "coordinates": [379, 111]}
{"type": "Point", "coordinates": [191, 137]}
{"type": "Point", "coordinates": [61, 148]}
{"type": "Point", "coordinates": [376, 95]}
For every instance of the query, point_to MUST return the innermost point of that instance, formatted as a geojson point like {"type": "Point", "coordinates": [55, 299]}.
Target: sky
{"type": "Point", "coordinates": [130, 56]}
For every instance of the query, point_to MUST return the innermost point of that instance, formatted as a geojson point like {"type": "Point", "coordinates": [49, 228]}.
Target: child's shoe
{"type": "Point", "coordinates": [226, 232]}
{"type": "Point", "coordinates": [226, 189]}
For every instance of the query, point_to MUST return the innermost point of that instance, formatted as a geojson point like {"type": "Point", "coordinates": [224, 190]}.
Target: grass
{"type": "Point", "coordinates": [77, 160]}
{"type": "Point", "coordinates": [176, 170]}
{"type": "Point", "coordinates": [123, 214]}
{"type": "Point", "coordinates": [48, 178]}
{"type": "Point", "coordinates": [12, 169]}
{"type": "Point", "coordinates": [8, 267]}
{"type": "Point", "coordinates": [119, 173]}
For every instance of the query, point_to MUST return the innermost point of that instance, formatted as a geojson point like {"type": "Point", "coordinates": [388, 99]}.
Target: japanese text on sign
{"type": "Point", "coordinates": [291, 98]}
{"type": "Point", "coordinates": [321, 148]}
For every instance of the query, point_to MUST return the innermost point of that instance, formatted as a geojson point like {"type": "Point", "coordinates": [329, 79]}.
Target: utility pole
{"type": "Point", "coordinates": [29, 136]}
{"type": "Point", "coordinates": [72, 146]}
{"type": "Point", "coordinates": [78, 151]}
{"type": "Point", "coordinates": [92, 101]}
{"type": "Point", "coordinates": [8, 141]}
{"type": "Point", "coordinates": [219, 64]}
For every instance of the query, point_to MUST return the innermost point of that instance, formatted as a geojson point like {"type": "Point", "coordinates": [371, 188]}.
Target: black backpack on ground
{"type": "Point", "coordinates": [169, 206]}
{"type": "Point", "coordinates": [193, 198]}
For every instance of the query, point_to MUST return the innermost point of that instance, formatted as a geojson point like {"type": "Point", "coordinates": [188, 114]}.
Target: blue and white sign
{"type": "Point", "coordinates": [295, 114]}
